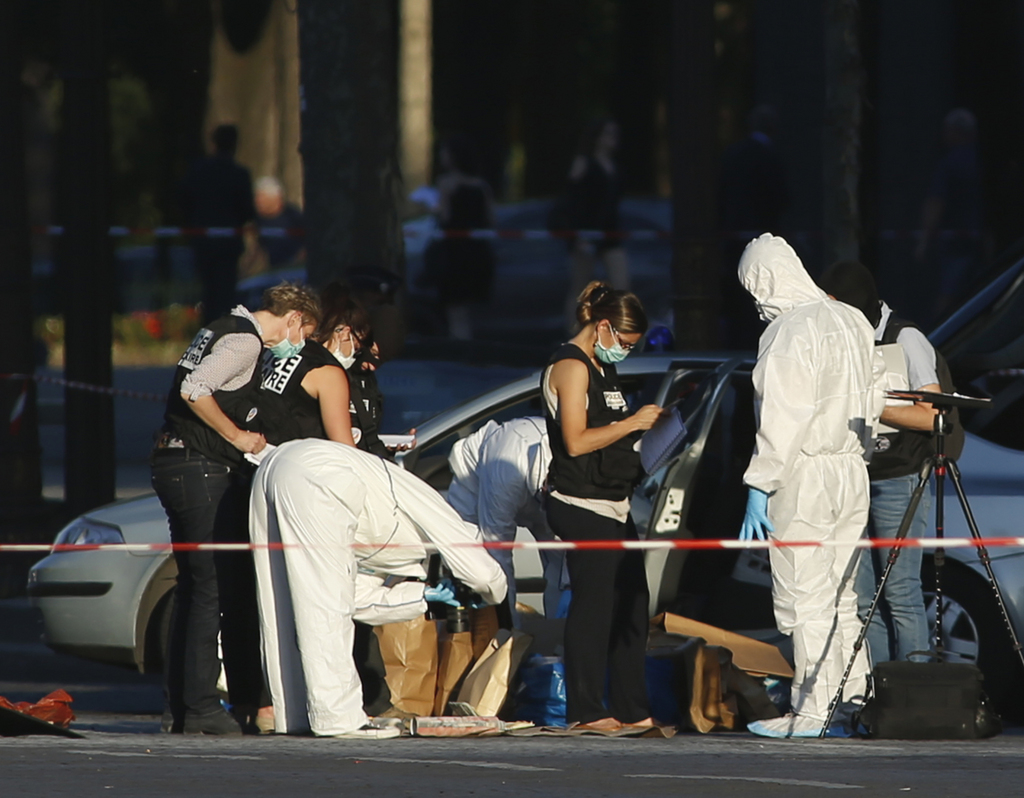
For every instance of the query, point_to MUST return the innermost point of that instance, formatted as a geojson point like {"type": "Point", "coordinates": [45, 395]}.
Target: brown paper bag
{"type": "Point", "coordinates": [485, 626]}
{"type": "Point", "coordinates": [456, 657]}
{"type": "Point", "coordinates": [410, 655]}
{"type": "Point", "coordinates": [711, 691]}
{"type": "Point", "coordinates": [460, 650]}
{"type": "Point", "coordinates": [487, 685]}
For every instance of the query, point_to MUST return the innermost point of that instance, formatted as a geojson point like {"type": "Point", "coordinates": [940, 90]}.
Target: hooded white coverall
{"type": "Point", "coordinates": [498, 473]}
{"type": "Point", "coordinates": [818, 389]}
{"type": "Point", "coordinates": [321, 497]}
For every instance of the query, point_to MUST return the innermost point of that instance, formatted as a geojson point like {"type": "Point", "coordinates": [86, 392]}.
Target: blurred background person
{"type": "Point", "coordinates": [272, 210]}
{"type": "Point", "coordinates": [592, 202]}
{"type": "Point", "coordinates": [952, 216]}
{"type": "Point", "coordinates": [217, 192]}
{"type": "Point", "coordinates": [753, 194]}
{"type": "Point", "coordinates": [461, 268]}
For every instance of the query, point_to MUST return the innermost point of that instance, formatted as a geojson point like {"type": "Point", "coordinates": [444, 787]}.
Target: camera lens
{"type": "Point", "coordinates": [457, 620]}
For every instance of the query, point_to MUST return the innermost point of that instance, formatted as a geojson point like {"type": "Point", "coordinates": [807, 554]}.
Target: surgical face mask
{"type": "Point", "coordinates": [287, 348]}
{"type": "Point", "coordinates": [345, 360]}
{"type": "Point", "coordinates": [612, 354]}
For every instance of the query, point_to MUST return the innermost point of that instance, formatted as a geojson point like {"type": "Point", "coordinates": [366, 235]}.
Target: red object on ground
{"type": "Point", "coordinates": [52, 708]}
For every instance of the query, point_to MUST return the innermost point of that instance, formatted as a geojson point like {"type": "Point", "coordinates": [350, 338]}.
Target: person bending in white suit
{"type": "Point", "coordinates": [498, 474]}
{"type": "Point", "coordinates": [318, 498]}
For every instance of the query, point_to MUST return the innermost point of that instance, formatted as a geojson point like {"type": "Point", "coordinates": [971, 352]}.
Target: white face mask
{"type": "Point", "coordinates": [346, 360]}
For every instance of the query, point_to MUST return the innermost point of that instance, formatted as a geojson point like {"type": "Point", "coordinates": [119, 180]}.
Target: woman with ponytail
{"type": "Point", "coordinates": [594, 469]}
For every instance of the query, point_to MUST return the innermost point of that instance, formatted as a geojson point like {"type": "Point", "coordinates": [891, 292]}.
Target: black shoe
{"type": "Point", "coordinates": [245, 717]}
{"type": "Point", "coordinates": [218, 722]}
{"type": "Point", "coordinates": [168, 725]}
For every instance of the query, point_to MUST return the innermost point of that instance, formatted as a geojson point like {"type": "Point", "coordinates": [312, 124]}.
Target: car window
{"type": "Point", "coordinates": [431, 463]}
{"type": "Point", "coordinates": [692, 389]}
{"type": "Point", "coordinates": [1003, 422]}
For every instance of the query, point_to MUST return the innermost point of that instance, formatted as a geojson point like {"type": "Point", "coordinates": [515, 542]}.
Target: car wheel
{"type": "Point", "coordinates": [973, 632]}
{"type": "Point", "coordinates": [158, 634]}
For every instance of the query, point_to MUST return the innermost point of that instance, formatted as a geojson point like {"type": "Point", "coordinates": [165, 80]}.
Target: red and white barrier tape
{"type": "Point", "coordinates": [298, 232]}
{"type": "Point", "coordinates": [120, 231]}
{"type": "Point", "coordinates": [85, 386]}
{"type": "Point", "coordinates": [542, 545]}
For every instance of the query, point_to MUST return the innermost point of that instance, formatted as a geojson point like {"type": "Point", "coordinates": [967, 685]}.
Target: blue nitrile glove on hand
{"type": "Point", "coordinates": [442, 593]}
{"type": "Point", "coordinates": [756, 525]}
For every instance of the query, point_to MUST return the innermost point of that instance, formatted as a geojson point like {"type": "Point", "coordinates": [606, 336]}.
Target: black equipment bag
{"type": "Point", "coordinates": [928, 701]}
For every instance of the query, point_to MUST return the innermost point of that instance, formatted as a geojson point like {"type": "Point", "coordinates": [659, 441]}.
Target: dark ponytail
{"type": "Point", "coordinates": [599, 301]}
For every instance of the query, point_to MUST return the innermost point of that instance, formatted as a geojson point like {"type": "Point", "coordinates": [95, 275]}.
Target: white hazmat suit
{"type": "Point", "coordinates": [498, 474]}
{"type": "Point", "coordinates": [818, 386]}
{"type": "Point", "coordinates": [318, 498]}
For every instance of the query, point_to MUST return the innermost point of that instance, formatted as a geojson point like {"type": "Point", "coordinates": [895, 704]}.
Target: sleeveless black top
{"type": "Point", "coordinates": [608, 473]}
{"type": "Point", "coordinates": [287, 412]}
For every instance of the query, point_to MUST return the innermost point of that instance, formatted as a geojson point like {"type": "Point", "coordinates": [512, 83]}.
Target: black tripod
{"type": "Point", "coordinates": [941, 466]}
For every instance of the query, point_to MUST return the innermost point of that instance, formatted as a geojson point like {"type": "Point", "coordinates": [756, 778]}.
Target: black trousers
{"type": "Point", "coordinates": [208, 502]}
{"type": "Point", "coordinates": [606, 631]}
{"type": "Point", "coordinates": [372, 673]}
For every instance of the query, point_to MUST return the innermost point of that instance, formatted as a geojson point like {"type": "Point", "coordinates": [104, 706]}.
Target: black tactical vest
{"type": "Point", "coordinates": [608, 473]}
{"type": "Point", "coordinates": [366, 407]}
{"type": "Point", "coordinates": [898, 454]}
{"type": "Point", "coordinates": [287, 412]}
{"type": "Point", "coordinates": [239, 405]}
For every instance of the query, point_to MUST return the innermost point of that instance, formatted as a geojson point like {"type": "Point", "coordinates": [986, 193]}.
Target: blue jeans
{"type": "Point", "coordinates": [901, 611]}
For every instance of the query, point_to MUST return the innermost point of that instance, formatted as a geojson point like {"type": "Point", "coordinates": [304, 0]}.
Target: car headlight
{"type": "Point", "coordinates": [84, 532]}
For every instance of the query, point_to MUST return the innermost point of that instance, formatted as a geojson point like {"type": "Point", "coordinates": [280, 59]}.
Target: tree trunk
{"type": "Point", "coordinates": [85, 262]}
{"type": "Point", "coordinates": [474, 79]}
{"type": "Point", "coordinates": [257, 88]}
{"type": "Point", "coordinates": [19, 433]}
{"type": "Point", "coordinates": [353, 185]}
{"type": "Point", "coordinates": [841, 136]}
{"type": "Point", "coordinates": [693, 104]}
{"type": "Point", "coordinates": [416, 84]}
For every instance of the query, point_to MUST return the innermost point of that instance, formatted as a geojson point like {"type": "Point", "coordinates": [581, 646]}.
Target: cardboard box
{"type": "Point", "coordinates": [753, 656]}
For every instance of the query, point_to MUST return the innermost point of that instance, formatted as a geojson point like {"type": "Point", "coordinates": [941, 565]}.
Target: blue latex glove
{"type": "Point", "coordinates": [442, 593]}
{"type": "Point", "coordinates": [756, 525]}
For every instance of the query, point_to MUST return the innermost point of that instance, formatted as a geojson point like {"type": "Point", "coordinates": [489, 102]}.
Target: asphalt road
{"type": "Point", "coordinates": [123, 753]}
{"type": "Point", "coordinates": [132, 762]}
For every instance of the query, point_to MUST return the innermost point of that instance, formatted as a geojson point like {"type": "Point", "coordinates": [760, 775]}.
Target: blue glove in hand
{"type": "Point", "coordinates": [442, 593]}
{"type": "Point", "coordinates": [755, 523]}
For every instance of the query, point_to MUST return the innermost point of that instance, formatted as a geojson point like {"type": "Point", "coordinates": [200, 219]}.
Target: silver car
{"type": "Point", "coordinates": [114, 606]}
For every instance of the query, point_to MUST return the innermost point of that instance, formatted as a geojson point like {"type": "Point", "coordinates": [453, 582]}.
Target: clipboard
{"type": "Point", "coordinates": [664, 440]}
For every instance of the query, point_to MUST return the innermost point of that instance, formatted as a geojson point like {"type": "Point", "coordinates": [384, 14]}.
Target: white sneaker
{"type": "Point", "coordinates": [368, 733]}
{"type": "Point", "coordinates": [799, 726]}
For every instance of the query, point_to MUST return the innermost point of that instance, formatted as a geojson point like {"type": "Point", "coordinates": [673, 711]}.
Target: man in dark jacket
{"type": "Point", "coordinates": [899, 454]}
{"type": "Point", "coordinates": [217, 192]}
